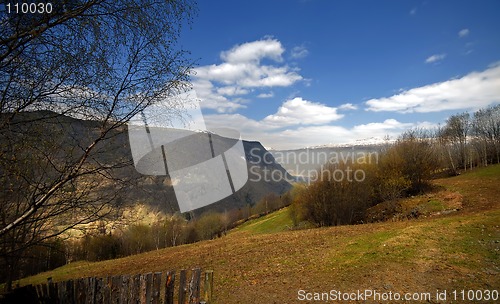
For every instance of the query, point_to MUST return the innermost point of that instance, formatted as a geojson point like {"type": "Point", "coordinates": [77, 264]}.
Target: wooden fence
{"type": "Point", "coordinates": [150, 288]}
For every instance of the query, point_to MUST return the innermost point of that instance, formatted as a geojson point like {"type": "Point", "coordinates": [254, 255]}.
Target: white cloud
{"type": "Point", "coordinates": [463, 33]}
{"type": "Point", "coordinates": [266, 95]}
{"type": "Point", "coordinates": [249, 74]}
{"type": "Point", "coordinates": [242, 70]}
{"type": "Point", "coordinates": [388, 124]}
{"type": "Point", "coordinates": [232, 91]}
{"type": "Point", "coordinates": [348, 106]}
{"type": "Point", "coordinates": [413, 11]}
{"type": "Point", "coordinates": [254, 51]}
{"type": "Point", "coordinates": [474, 90]}
{"type": "Point", "coordinates": [211, 99]}
{"type": "Point", "coordinates": [299, 52]}
{"type": "Point", "coordinates": [271, 135]}
{"type": "Point", "coordinates": [298, 111]}
{"type": "Point", "coordinates": [435, 58]}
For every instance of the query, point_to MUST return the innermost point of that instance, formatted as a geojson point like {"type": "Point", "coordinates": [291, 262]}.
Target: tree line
{"type": "Point", "coordinates": [404, 168]}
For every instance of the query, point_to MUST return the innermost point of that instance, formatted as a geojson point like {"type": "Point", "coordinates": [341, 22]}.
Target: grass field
{"type": "Point", "coordinates": [274, 222]}
{"type": "Point", "coordinates": [263, 262]}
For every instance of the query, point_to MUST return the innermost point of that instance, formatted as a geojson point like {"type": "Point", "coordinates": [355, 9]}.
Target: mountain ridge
{"type": "Point", "coordinates": [156, 191]}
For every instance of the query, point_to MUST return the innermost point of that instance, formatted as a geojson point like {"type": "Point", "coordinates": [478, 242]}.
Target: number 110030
{"type": "Point", "coordinates": [29, 8]}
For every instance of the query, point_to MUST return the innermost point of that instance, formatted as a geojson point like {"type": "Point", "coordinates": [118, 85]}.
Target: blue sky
{"type": "Point", "coordinates": [302, 73]}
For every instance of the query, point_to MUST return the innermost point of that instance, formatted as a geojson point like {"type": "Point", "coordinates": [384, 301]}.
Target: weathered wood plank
{"type": "Point", "coordinates": [149, 286]}
{"type": "Point", "coordinates": [70, 291]}
{"type": "Point", "coordinates": [99, 290]}
{"type": "Point", "coordinates": [80, 291]}
{"type": "Point", "coordinates": [116, 282]}
{"type": "Point", "coordinates": [208, 288]}
{"type": "Point", "coordinates": [146, 286]}
{"type": "Point", "coordinates": [124, 289]}
{"type": "Point", "coordinates": [62, 292]}
{"type": "Point", "coordinates": [90, 290]}
{"type": "Point", "coordinates": [39, 293]}
{"type": "Point", "coordinates": [182, 287]}
{"type": "Point", "coordinates": [51, 291]}
{"type": "Point", "coordinates": [194, 286]}
{"type": "Point", "coordinates": [134, 289]}
{"type": "Point", "coordinates": [169, 287]}
{"type": "Point", "coordinates": [156, 287]}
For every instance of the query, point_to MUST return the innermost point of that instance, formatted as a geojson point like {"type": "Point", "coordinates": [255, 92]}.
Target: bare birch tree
{"type": "Point", "coordinates": [69, 82]}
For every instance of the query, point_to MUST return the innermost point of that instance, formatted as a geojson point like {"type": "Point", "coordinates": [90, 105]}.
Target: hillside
{"type": "Point", "coordinates": [453, 251]}
{"type": "Point", "coordinates": [156, 191]}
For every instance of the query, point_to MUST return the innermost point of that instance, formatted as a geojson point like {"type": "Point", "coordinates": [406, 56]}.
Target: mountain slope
{"type": "Point", "coordinates": [459, 251]}
{"type": "Point", "coordinates": [156, 191]}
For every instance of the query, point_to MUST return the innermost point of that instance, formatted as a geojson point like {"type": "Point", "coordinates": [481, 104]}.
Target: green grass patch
{"type": "Point", "coordinates": [476, 242]}
{"type": "Point", "coordinates": [274, 222]}
{"type": "Point", "coordinates": [489, 171]}
{"type": "Point", "coordinates": [364, 249]}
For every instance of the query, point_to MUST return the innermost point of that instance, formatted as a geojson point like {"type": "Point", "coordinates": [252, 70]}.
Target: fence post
{"type": "Point", "coordinates": [115, 284]}
{"type": "Point", "coordinates": [208, 288]}
{"type": "Point", "coordinates": [146, 282]}
{"type": "Point", "coordinates": [182, 287]}
{"type": "Point", "coordinates": [169, 287]}
{"type": "Point", "coordinates": [91, 286]}
{"type": "Point", "coordinates": [80, 290]}
{"type": "Point", "coordinates": [124, 288]}
{"type": "Point", "coordinates": [194, 286]}
{"type": "Point", "coordinates": [155, 293]}
{"type": "Point", "coordinates": [52, 292]}
{"type": "Point", "coordinates": [70, 289]}
{"type": "Point", "coordinates": [99, 290]}
{"type": "Point", "coordinates": [39, 292]}
{"type": "Point", "coordinates": [65, 292]}
{"type": "Point", "coordinates": [61, 292]}
{"type": "Point", "coordinates": [135, 288]}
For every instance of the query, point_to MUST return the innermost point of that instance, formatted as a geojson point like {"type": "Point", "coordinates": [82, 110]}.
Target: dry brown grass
{"type": "Point", "coordinates": [457, 251]}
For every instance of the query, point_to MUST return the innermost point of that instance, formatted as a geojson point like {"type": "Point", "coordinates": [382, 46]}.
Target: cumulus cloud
{"type": "Point", "coordinates": [348, 106]}
{"type": "Point", "coordinates": [242, 70]}
{"type": "Point", "coordinates": [254, 51]}
{"type": "Point", "coordinates": [232, 91]}
{"type": "Point", "coordinates": [211, 99]}
{"type": "Point", "coordinates": [249, 74]}
{"type": "Point", "coordinates": [299, 52]}
{"type": "Point", "coordinates": [463, 33]}
{"type": "Point", "coordinates": [435, 58]}
{"type": "Point", "coordinates": [298, 111]}
{"type": "Point", "coordinates": [474, 90]}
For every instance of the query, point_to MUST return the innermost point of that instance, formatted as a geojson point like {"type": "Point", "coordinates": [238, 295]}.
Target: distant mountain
{"type": "Point", "coordinates": [303, 163]}
{"type": "Point", "coordinates": [264, 174]}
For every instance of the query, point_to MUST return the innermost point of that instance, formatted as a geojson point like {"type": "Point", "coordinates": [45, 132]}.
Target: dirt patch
{"type": "Point", "coordinates": [437, 202]}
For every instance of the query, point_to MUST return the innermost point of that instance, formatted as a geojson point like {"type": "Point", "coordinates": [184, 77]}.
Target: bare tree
{"type": "Point", "coordinates": [486, 127]}
{"type": "Point", "coordinates": [457, 132]}
{"type": "Point", "coordinates": [337, 196]}
{"type": "Point", "coordinates": [419, 158]}
{"type": "Point", "coordinates": [69, 82]}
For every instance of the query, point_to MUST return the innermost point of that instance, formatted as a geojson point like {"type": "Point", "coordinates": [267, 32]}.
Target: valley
{"type": "Point", "coordinates": [264, 259]}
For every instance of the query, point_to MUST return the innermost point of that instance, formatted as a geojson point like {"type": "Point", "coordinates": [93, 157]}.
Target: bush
{"type": "Point", "coordinates": [331, 200]}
